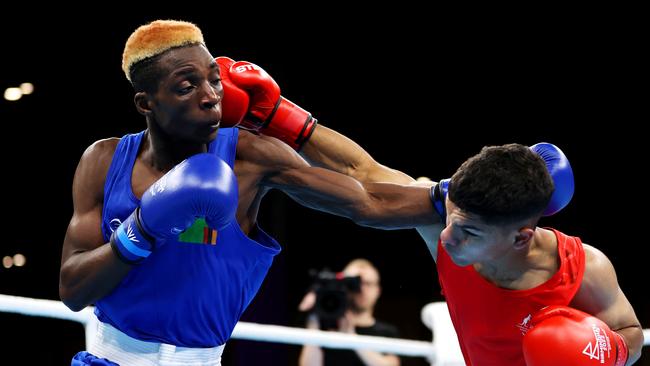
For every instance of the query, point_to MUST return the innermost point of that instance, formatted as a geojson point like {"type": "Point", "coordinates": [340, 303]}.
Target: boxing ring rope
{"type": "Point", "coordinates": [443, 351]}
{"type": "Point", "coordinates": [282, 334]}
{"type": "Point", "coordinates": [243, 330]}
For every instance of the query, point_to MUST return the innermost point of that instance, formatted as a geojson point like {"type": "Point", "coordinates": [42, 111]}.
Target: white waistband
{"type": "Point", "coordinates": [118, 347]}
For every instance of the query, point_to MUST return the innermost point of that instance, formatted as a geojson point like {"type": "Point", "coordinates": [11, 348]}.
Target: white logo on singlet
{"type": "Point", "coordinates": [524, 326]}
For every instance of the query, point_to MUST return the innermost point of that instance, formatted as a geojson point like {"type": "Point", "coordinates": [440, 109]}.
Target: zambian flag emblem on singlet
{"type": "Point", "coordinates": [199, 233]}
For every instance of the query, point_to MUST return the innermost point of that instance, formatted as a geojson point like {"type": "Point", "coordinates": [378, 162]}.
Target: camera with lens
{"type": "Point", "coordinates": [333, 296]}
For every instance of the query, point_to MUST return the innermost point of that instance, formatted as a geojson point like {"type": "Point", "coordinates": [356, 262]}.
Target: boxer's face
{"type": "Point", "coordinates": [187, 102]}
{"type": "Point", "coordinates": [468, 239]}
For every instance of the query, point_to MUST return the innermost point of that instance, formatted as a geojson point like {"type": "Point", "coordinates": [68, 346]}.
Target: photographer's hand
{"type": "Point", "coordinates": [308, 301]}
{"type": "Point", "coordinates": [347, 324]}
{"type": "Point", "coordinates": [307, 304]}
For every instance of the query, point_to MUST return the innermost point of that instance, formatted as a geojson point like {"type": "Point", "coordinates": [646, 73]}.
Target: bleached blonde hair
{"type": "Point", "coordinates": [154, 38]}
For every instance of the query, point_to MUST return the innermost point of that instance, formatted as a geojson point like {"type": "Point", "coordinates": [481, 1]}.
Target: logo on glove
{"type": "Point", "coordinates": [597, 349]}
{"type": "Point", "coordinates": [247, 67]}
{"type": "Point", "coordinates": [160, 185]}
{"type": "Point", "coordinates": [131, 235]}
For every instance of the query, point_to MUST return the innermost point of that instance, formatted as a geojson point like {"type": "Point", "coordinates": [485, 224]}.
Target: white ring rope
{"type": "Point", "coordinates": [280, 334]}
{"type": "Point", "coordinates": [46, 308]}
{"type": "Point", "coordinates": [248, 331]}
{"type": "Point", "coordinates": [243, 330]}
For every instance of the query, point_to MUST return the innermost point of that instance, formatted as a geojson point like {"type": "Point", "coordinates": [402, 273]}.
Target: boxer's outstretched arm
{"type": "Point", "coordinates": [329, 149]}
{"type": "Point", "coordinates": [247, 84]}
{"type": "Point", "coordinates": [252, 101]}
{"type": "Point", "coordinates": [375, 204]}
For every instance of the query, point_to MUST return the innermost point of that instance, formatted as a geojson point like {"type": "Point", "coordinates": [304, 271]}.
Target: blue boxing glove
{"type": "Point", "coordinates": [200, 186]}
{"type": "Point", "coordinates": [85, 358]}
{"type": "Point", "coordinates": [560, 169]}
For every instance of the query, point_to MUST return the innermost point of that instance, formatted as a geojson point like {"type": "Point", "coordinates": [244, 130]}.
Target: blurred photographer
{"type": "Point", "coordinates": [360, 281]}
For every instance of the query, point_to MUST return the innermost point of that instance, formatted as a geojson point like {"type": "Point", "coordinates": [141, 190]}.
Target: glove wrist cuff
{"type": "Point", "coordinates": [130, 242]}
{"type": "Point", "coordinates": [621, 350]}
{"type": "Point", "coordinates": [290, 123]}
{"type": "Point", "coordinates": [438, 195]}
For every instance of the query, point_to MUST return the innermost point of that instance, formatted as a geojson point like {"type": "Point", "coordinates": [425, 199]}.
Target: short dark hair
{"type": "Point", "coordinates": [502, 184]}
{"type": "Point", "coordinates": [146, 74]}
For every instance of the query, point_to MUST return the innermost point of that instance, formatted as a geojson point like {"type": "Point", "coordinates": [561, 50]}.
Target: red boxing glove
{"type": "Point", "coordinates": [234, 104]}
{"type": "Point", "coordinates": [562, 336]}
{"type": "Point", "coordinates": [269, 113]}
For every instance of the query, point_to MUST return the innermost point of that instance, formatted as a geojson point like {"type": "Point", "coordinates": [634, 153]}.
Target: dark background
{"type": "Point", "coordinates": [421, 91]}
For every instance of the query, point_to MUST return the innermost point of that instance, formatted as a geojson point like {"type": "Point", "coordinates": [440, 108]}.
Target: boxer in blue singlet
{"type": "Point", "coordinates": [163, 238]}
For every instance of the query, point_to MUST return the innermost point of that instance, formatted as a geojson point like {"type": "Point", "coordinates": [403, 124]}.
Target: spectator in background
{"type": "Point", "coordinates": [358, 319]}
